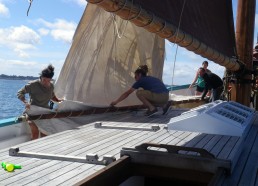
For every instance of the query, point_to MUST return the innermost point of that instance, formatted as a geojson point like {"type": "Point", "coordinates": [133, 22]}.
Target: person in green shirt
{"type": "Point", "coordinates": [40, 92]}
{"type": "Point", "coordinates": [198, 80]}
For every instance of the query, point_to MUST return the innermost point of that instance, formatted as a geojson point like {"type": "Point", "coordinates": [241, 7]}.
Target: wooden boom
{"type": "Point", "coordinates": [142, 18]}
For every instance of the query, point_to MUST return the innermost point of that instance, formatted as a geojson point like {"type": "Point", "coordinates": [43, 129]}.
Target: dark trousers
{"type": "Point", "coordinates": [216, 93]}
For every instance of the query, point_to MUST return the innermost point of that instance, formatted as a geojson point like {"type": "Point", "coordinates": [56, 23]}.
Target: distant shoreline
{"type": "Point", "coordinates": [14, 77]}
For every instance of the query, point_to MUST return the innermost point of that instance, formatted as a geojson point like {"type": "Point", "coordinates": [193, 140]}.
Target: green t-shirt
{"type": "Point", "coordinates": [39, 95]}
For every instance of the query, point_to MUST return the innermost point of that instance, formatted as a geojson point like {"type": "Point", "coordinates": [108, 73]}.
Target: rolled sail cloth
{"type": "Point", "coordinates": [55, 125]}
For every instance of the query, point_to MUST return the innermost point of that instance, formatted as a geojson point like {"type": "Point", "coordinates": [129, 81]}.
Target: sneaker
{"type": "Point", "coordinates": [166, 108]}
{"type": "Point", "coordinates": [150, 113]}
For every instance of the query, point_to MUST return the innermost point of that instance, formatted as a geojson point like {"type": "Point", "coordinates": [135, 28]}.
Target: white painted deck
{"type": "Point", "coordinates": [105, 141]}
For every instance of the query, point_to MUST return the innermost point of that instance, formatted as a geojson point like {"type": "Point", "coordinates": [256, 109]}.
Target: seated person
{"type": "Point", "coordinates": [154, 92]}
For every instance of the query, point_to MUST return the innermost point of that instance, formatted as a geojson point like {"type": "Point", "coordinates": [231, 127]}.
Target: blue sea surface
{"type": "Point", "coordinates": [11, 106]}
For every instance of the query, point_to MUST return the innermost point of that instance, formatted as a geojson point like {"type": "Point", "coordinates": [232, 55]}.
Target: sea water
{"type": "Point", "coordinates": [10, 105]}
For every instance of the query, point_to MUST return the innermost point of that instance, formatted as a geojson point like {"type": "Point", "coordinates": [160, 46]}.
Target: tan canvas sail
{"type": "Point", "coordinates": [100, 65]}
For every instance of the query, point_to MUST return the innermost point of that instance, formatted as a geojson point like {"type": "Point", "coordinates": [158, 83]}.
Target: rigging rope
{"type": "Point", "coordinates": [119, 35]}
{"type": "Point", "coordinates": [116, 26]}
{"type": "Point", "coordinates": [30, 1]}
{"type": "Point", "coordinates": [173, 73]}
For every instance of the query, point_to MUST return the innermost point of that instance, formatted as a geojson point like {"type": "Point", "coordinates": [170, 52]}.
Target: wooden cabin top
{"type": "Point", "coordinates": [237, 156]}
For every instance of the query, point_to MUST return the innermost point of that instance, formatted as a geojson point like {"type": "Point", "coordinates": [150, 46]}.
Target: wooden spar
{"type": "Point", "coordinates": [142, 18]}
{"type": "Point", "coordinates": [84, 112]}
{"type": "Point", "coordinates": [102, 110]}
{"type": "Point", "coordinates": [241, 92]}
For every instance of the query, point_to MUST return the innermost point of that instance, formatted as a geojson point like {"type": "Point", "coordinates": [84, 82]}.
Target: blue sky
{"type": "Point", "coordinates": [27, 44]}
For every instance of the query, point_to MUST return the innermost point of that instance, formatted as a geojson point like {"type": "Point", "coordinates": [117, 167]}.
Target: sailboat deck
{"type": "Point", "coordinates": [123, 130]}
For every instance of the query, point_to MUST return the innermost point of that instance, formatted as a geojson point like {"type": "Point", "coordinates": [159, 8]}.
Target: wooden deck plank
{"type": "Point", "coordinates": [103, 135]}
{"type": "Point", "coordinates": [116, 151]}
{"type": "Point", "coordinates": [132, 142]}
{"type": "Point", "coordinates": [37, 142]}
{"type": "Point", "coordinates": [112, 139]}
{"type": "Point", "coordinates": [88, 139]}
{"type": "Point", "coordinates": [247, 147]}
{"type": "Point", "coordinates": [182, 139]}
{"type": "Point", "coordinates": [101, 152]}
{"type": "Point", "coordinates": [175, 139]}
{"type": "Point", "coordinates": [48, 162]}
{"type": "Point", "coordinates": [235, 154]}
{"type": "Point", "coordinates": [80, 130]}
{"type": "Point", "coordinates": [72, 136]}
{"type": "Point", "coordinates": [70, 174]}
{"type": "Point", "coordinates": [67, 151]}
{"type": "Point", "coordinates": [43, 172]}
{"type": "Point", "coordinates": [84, 139]}
{"type": "Point", "coordinates": [106, 117]}
{"type": "Point", "coordinates": [145, 139]}
{"type": "Point", "coordinates": [249, 174]}
{"type": "Point", "coordinates": [85, 120]}
{"type": "Point", "coordinates": [111, 118]}
{"type": "Point", "coordinates": [228, 147]}
{"type": "Point", "coordinates": [213, 141]}
{"type": "Point", "coordinates": [68, 167]}
{"type": "Point", "coordinates": [195, 140]}
{"type": "Point", "coordinates": [220, 145]}
{"type": "Point", "coordinates": [188, 138]}
{"type": "Point", "coordinates": [28, 174]}
{"type": "Point", "coordinates": [201, 143]}
{"type": "Point", "coordinates": [204, 141]}
{"type": "Point", "coordinates": [135, 143]}
{"type": "Point", "coordinates": [83, 174]}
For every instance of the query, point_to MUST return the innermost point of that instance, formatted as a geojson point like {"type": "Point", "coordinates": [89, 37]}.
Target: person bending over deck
{"type": "Point", "coordinates": [213, 83]}
{"type": "Point", "coordinates": [153, 93]}
{"type": "Point", "coordinates": [41, 91]}
{"type": "Point", "coordinates": [200, 84]}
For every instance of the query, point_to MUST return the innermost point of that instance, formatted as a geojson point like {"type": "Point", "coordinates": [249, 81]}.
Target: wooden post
{"type": "Point", "coordinates": [244, 40]}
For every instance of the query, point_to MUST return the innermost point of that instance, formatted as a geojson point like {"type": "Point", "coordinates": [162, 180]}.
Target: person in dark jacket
{"type": "Point", "coordinates": [212, 82]}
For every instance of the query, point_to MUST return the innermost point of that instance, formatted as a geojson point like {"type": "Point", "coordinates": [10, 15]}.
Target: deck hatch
{"type": "Point", "coordinates": [219, 117]}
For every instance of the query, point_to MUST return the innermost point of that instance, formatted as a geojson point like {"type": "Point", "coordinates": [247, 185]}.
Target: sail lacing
{"type": "Point", "coordinates": [116, 33]}
{"type": "Point", "coordinates": [115, 22]}
{"type": "Point", "coordinates": [116, 27]}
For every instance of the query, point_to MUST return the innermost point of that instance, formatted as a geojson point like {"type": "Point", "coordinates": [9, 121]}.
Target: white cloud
{"type": "Point", "coordinates": [17, 67]}
{"type": "Point", "coordinates": [19, 39]}
{"type": "Point", "coordinates": [43, 31]}
{"type": "Point", "coordinates": [256, 20]}
{"type": "Point", "coordinates": [27, 68]}
{"type": "Point", "coordinates": [82, 3]}
{"type": "Point", "coordinates": [63, 35]}
{"type": "Point", "coordinates": [4, 11]}
{"type": "Point", "coordinates": [60, 29]}
{"type": "Point", "coordinates": [182, 75]}
{"type": "Point", "coordinates": [186, 71]}
{"type": "Point", "coordinates": [186, 66]}
{"type": "Point", "coordinates": [23, 34]}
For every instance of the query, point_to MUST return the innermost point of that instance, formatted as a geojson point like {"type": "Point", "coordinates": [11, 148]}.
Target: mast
{"type": "Point", "coordinates": [241, 91]}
